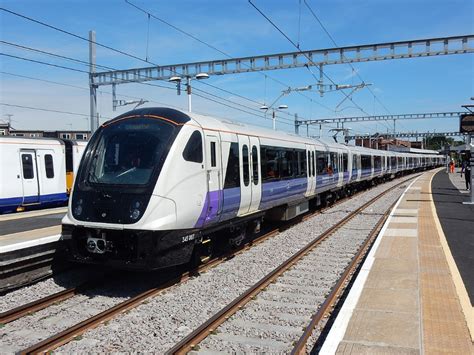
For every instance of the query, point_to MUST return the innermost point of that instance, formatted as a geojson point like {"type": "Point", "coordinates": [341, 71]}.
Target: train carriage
{"type": "Point", "coordinates": [36, 172]}
{"type": "Point", "coordinates": [156, 185]}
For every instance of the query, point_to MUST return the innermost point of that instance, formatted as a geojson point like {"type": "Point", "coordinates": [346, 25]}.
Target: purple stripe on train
{"type": "Point", "coordinates": [275, 193]}
{"type": "Point", "coordinates": [346, 177]}
{"type": "Point", "coordinates": [227, 200]}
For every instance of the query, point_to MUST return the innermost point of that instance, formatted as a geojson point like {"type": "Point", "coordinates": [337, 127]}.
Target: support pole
{"type": "Point", "coordinates": [297, 126]}
{"type": "Point", "coordinates": [94, 123]}
{"type": "Point", "coordinates": [114, 97]}
{"type": "Point", "coordinates": [188, 90]}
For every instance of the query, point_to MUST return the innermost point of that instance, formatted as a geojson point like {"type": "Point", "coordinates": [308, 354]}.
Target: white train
{"type": "Point", "coordinates": [158, 187]}
{"type": "Point", "coordinates": [36, 172]}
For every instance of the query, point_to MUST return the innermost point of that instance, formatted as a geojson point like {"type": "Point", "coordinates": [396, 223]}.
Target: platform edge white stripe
{"type": "Point", "coordinates": [30, 243]}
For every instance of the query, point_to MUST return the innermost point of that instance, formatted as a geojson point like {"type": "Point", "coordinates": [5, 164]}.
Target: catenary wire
{"type": "Point", "coordinates": [218, 50]}
{"type": "Point", "coordinates": [294, 44]}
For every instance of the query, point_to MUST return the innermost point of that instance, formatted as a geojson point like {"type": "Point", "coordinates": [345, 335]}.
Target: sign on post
{"type": "Point", "coordinates": [466, 123]}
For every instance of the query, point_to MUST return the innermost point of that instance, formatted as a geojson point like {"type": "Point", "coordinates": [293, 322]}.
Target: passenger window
{"type": "Point", "coordinates": [245, 158]}
{"type": "Point", "coordinates": [48, 163]}
{"type": "Point", "coordinates": [302, 163]}
{"type": "Point", "coordinates": [312, 163]}
{"type": "Point", "coordinates": [255, 165]}
{"type": "Point", "coordinates": [232, 175]}
{"type": "Point", "coordinates": [27, 162]}
{"type": "Point", "coordinates": [213, 154]}
{"type": "Point", "coordinates": [309, 163]}
{"type": "Point", "coordinates": [321, 163]}
{"type": "Point", "coordinates": [269, 159]}
{"type": "Point", "coordinates": [193, 150]}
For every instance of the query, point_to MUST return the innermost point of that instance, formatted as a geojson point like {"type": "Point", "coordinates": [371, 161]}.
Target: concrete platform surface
{"type": "Point", "coordinates": [27, 239]}
{"type": "Point", "coordinates": [17, 223]}
{"type": "Point", "coordinates": [408, 297]}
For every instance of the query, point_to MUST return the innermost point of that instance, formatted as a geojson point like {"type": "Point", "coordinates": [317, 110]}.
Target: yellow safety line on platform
{"type": "Point", "coordinates": [29, 214]}
{"type": "Point", "coordinates": [461, 291]}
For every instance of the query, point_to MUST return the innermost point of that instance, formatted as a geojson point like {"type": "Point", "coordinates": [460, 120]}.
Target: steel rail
{"type": "Point", "coordinates": [37, 305]}
{"type": "Point", "coordinates": [339, 287]}
{"type": "Point", "coordinates": [199, 334]}
{"type": "Point", "coordinates": [70, 333]}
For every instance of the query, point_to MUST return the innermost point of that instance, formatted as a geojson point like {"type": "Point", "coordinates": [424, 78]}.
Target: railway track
{"type": "Point", "coordinates": [219, 332]}
{"type": "Point", "coordinates": [42, 303]}
{"type": "Point", "coordinates": [34, 306]}
{"type": "Point", "coordinates": [78, 329]}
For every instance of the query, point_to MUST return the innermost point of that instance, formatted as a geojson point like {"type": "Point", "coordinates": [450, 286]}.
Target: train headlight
{"type": "Point", "coordinates": [78, 208]}
{"type": "Point", "coordinates": [135, 210]}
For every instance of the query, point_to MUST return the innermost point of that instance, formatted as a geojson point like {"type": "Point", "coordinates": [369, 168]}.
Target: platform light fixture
{"type": "Point", "coordinates": [280, 107]}
{"type": "Point", "coordinates": [178, 79]}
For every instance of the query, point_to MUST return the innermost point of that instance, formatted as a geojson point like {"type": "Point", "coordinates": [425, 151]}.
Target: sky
{"type": "Point", "coordinates": [234, 27]}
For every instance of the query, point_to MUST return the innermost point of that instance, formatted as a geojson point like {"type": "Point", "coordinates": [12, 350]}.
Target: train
{"type": "Point", "coordinates": [158, 187]}
{"type": "Point", "coordinates": [37, 172]}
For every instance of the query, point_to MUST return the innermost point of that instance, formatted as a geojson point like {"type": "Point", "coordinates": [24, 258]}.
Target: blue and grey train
{"type": "Point", "coordinates": [158, 187]}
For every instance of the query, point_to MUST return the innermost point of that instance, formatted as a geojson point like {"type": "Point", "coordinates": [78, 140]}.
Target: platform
{"type": "Point", "coordinates": [409, 296]}
{"type": "Point", "coordinates": [30, 247]}
{"type": "Point", "coordinates": [26, 229]}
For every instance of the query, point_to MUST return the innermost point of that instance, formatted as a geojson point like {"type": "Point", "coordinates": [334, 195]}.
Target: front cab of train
{"type": "Point", "coordinates": [116, 215]}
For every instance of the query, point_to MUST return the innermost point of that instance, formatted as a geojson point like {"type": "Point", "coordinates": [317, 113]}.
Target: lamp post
{"type": "Point", "coordinates": [177, 80]}
{"type": "Point", "coordinates": [280, 107]}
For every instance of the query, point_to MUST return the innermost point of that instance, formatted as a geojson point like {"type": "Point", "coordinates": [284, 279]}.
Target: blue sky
{"type": "Point", "coordinates": [235, 27]}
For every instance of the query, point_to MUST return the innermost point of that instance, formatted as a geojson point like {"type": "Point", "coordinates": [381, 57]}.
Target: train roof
{"type": "Point", "coordinates": [242, 128]}
{"type": "Point", "coordinates": [30, 140]}
{"type": "Point", "coordinates": [234, 127]}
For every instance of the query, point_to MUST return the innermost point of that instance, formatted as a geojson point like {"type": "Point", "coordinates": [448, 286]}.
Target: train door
{"type": "Point", "coordinates": [214, 178]}
{"type": "Point", "coordinates": [44, 159]}
{"type": "Point", "coordinates": [245, 174]}
{"type": "Point", "coordinates": [29, 177]}
{"type": "Point", "coordinates": [310, 170]}
{"type": "Point", "coordinates": [341, 169]}
{"type": "Point", "coordinates": [359, 167]}
{"type": "Point", "coordinates": [255, 174]}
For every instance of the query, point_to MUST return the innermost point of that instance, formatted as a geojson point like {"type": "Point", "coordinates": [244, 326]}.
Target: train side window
{"type": "Point", "coordinates": [245, 159]}
{"type": "Point", "coordinates": [255, 165]}
{"type": "Point", "coordinates": [269, 163]}
{"type": "Point", "coordinates": [213, 154]}
{"type": "Point", "coordinates": [366, 161]}
{"type": "Point", "coordinates": [321, 162]}
{"type": "Point", "coordinates": [48, 163]}
{"type": "Point", "coordinates": [193, 150]}
{"type": "Point", "coordinates": [309, 163]}
{"type": "Point", "coordinates": [334, 162]}
{"type": "Point", "coordinates": [302, 163]}
{"type": "Point", "coordinates": [232, 174]}
{"type": "Point", "coordinates": [27, 163]}
{"type": "Point", "coordinates": [345, 162]}
{"type": "Point", "coordinates": [377, 161]}
{"type": "Point", "coordinates": [312, 164]}
{"type": "Point", "coordinates": [283, 164]}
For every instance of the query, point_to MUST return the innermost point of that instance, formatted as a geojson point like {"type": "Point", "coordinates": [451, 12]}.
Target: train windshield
{"type": "Point", "coordinates": [128, 152]}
